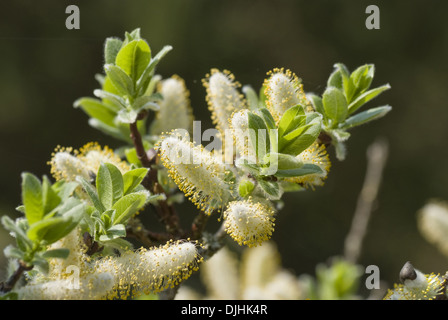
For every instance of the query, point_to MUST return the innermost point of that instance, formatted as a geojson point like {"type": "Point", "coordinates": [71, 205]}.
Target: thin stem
{"type": "Point", "coordinates": [138, 144]}
{"type": "Point", "coordinates": [198, 225]}
{"type": "Point", "coordinates": [9, 284]}
{"type": "Point", "coordinates": [376, 159]}
{"type": "Point", "coordinates": [166, 212]}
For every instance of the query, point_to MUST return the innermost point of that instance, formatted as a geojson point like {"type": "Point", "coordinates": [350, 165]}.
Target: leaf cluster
{"type": "Point", "coordinates": [50, 213]}
{"type": "Point", "coordinates": [127, 86]}
{"type": "Point", "coordinates": [344, 95]}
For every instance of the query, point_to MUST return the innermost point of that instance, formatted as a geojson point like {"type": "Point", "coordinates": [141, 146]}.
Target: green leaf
{"type": "Point", "coordinates": [121, 81]}
{"type": "Point", "coordinates": [10, 225]}
{"type": "Point", "coordinates": [366, 97]}
{"type": "Point", "coordinates": [92, 193]}
{"type": "Point", "coordinates": [288, 186]}
{"type": "Point", "coordinates": [245, 187]}
{"type": "Point", "coordinates": [96, 109]}
{"type": "Point", "coordinates": [61, 253]}
{"type": "Point", "coordinates": [135, 34]}
{"type": "Point", "coordinates": [306, 169]}
{"type": "Point", "coordinates": [258, 134]}
{"type": "Point", "coordinates": [13, 296]}
{"type": "Point", "coordinates": [111, 49]}
{"type": "Point", "coordinates": [117, 101]}
{"type": "Point", "coordinates": [108, 86]}
{"type": "Point", "coordinates": [147, 103]}
{"type": "Point", "coordinates": [268, 118]}
{"type": "Point", "coordinates": [335, 105]}
{"type": "Point", "coordinates": [272, 188]}
{"type": "Point", "coordinates": [52, 229]}
{"type": "Point", "coordinates": [133, 58]}
{"type": "Point", "coordinates": [128, 205]}
{"type": "Point", "coordinates": [283, 161]}
{"type": "Point", "coordinates": [119, 244]}
{"type": "Point", "coordinates": [316, 101]}
{"type": "Point", "coordinates": [155, 198]}
{"type": "Point", "coordinates": [300, 133]}
{"type": "Point", "coordinates": [362, 78]}
{"type": "Point", "coordinates": [107, 217]}
{"type": "Point", "coordinates": [336, 79]}
{"type": "Point", "coordinates": [247, 166]}
{"type": "Point", "coordinates": [131, 156]}
{"type": "Point", "coordinates": [348, 86]}
{"type": "Point", "coordinates": [32, 198]}
{"type": "Point", "coordinates": [109, 130]}
{"type": "Point", "coordinates": [12, 252]}
{"type": "Point", "coordinates": [40, 263]}
{"type": "Point", "coordinates": [133, 178]}
{"type": "Point", "coordinates": [50, 199]}
{"type": "Point", "coordinates": [114, 232]}
{"type": "Point", "coordinates": [109, 183]}
{"type": "Point", "coordinates": [293, 118]}
{"type": "Point", "coordinates": [143, 82]}
{"type": "Point", "coordinates": [19, 234]}
{"type": "Point", "coordinates": [127, 116]}
{"type": "Point", "coordinates": [64, 189]}
{"type": "Point", "coordinates": [39, 230]}
{"type": "Point", "coordinates": [365, 116]}
{"type": "Point", "coordinates": [251, 97]}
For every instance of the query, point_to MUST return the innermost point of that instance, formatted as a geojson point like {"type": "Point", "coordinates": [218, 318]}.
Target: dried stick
{"type": "Point", "coordinates": [376, 158]}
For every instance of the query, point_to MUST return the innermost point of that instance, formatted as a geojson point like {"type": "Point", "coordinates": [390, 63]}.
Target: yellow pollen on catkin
{"type": "Point", "coordinates": [199, 174]}
{"type": "Point", "coordinates": [152, 270]}
{"type": "Point", "coordinates": [67, 163]}
{"type": "Point", "coordinates": [239, 128]}
{"type": "Point", "coordinates": [249, 222]}
{"type": "Point", "coordinates": [283, 90]}
{"type": "Point", "coordinates": [223, 97]}
{"type": "Point", "coordinates": [92, 154]}
{"type": "Point", "coordinates": [432, 287]}
{"type": "Point", "coordinates": [316, 154]}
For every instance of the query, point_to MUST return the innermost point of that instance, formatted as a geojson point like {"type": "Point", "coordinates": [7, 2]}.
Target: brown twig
{"type": "Point", "coordinates": [166, 212]}
{"type": "Point", "coordinates": [198, 225]}
{"type": "Point", "coordinates": [9, 284]}
{"type": "Point", "coordinates": [135, 229]}
{"type": "Point", "coordinates": [376, 159]}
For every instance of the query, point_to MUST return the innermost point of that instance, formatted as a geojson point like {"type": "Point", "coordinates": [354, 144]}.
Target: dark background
{"type": "Point", "coordinates": [44, 68]}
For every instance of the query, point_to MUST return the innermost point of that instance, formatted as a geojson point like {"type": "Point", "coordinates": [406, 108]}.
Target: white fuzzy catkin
{"type": "Point", "coordinates": [283, 90]}
{"type": "Point", "coordinates": [226, 286]}
{"type": "Point", "coordinates": [88, 287]}
{"type": "Point", "coordinates": [76, 258]}
{"type": "Point", "coordinates": [249, 222]}
{"type": "Point", "coordinates": [239, 128]}
{"type": "Point", "coordinates": [197, 172]}
{"type": "Point", "coordinates": [223, 97]}
{"type": "Point", "coordinates": [67, 167]}
{"type": "Point", "coordinates": [67, 164]}
{"type": "Point", "coordinates": [433, 224]}
{"type": "Point", "coordinates": [282, 285]}
{"type": "Point", "coordinates": [424, 287]}
{"type": "Point", "coordinates": [175, 111]}
{"type": "Point", "coordinates": [93, 155]}
{"type": "Point", "coordinates": [151, 270]}
{"type": "Point", "coordinates": [259, 265]}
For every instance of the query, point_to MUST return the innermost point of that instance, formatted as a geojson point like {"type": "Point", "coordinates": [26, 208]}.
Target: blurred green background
{"type": "Point", "coordinates": [44, 68]}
